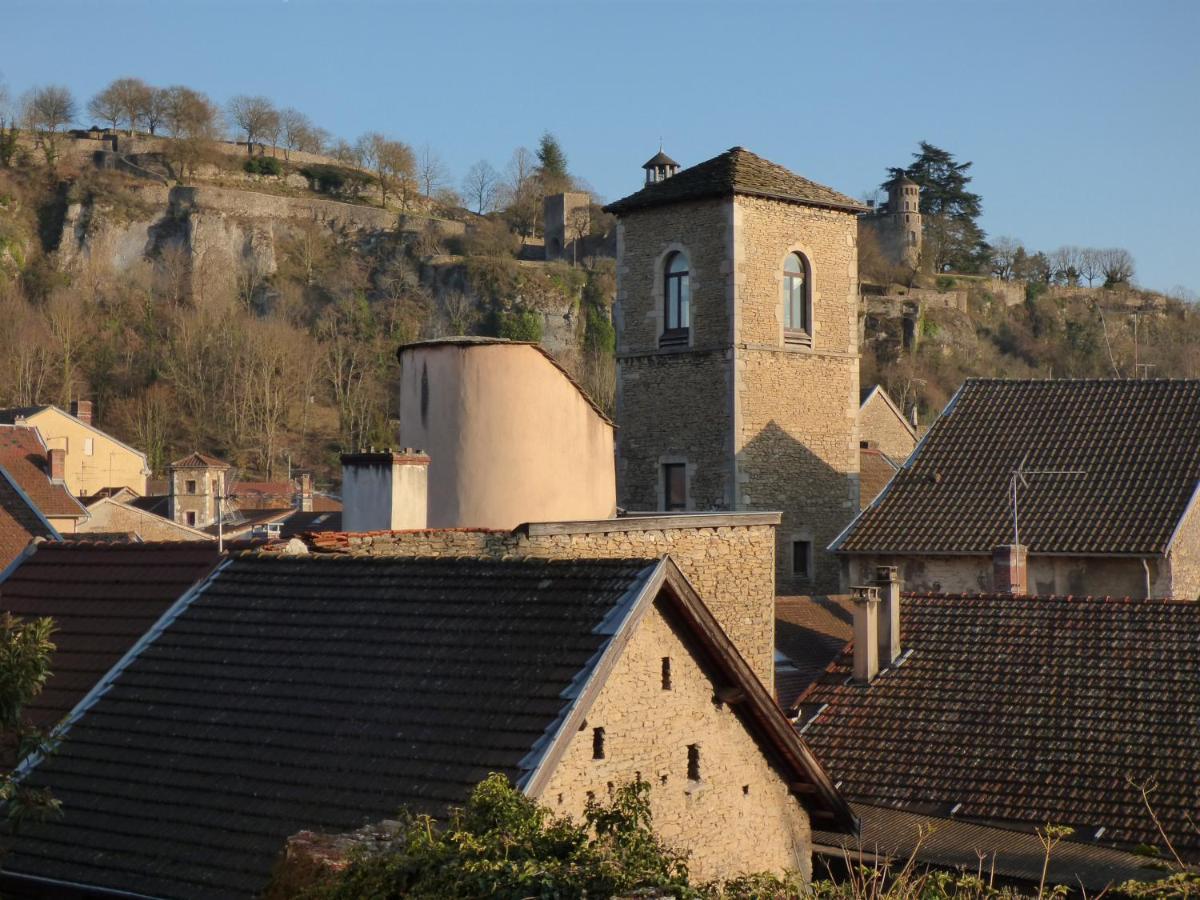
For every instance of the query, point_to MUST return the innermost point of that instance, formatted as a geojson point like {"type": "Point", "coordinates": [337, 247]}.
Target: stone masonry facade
{"type": "Point", "coordinates": [728, 559]}
{"type": "Point", "coordinates": [879, 424]}
{"type": "Point", "coordinates": [738, 816]}
{"type": "Point", "coordinates": [760, 422]}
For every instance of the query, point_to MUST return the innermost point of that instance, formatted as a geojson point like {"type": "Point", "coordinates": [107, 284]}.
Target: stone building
{"type": "Point", "coordinates": [194, 484]}
{"type": "Point", "coordinates": [897, 225]}
{"type": "Point", "coordinates": [1106, 498]}
{"type": "Point", "coordinates": [107, 516]}
{"type": "Point", "coordinates": [737, 349]}
{"type": "Point", "coordinates": [566, 221]}
{"type": "Point", "coordinates": [883, 426]}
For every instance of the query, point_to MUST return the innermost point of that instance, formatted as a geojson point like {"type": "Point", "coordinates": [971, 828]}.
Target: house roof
{"type": "Point", "coordinates": [1136, 445]}
{"type": "Point", "coordinates": [809, 634]}
{"type": "Point", "coordinates": [263, 494]}
{"type": "Point", "coordinates": [946, 843]}
{"type": "Point", "coordinates": [875, 470]}
{"type": "Point", "coordinates": [23, 455]}
{"type": "Point", "coordinates": [292, 693]}
{"type": "Point", "coordinates": [736, 171]}
{"type": "Point", "coordinates": [195, 460]}
{"type": "Point", "coordinates": [20, 520]}
{"type": "Point", "coordinates": [152, 520]}
{"type": "Point", "coordinates": [1026, 710]}
{"type": "Point", "coordinates": [15, 414]}
{"type": "Point", "coordinates": [158, 504]}
{"type": "Point", "coordinates": [301, 522]}
{"type": "Point", "coordinates": [659, 159]}
{"type": "Point", "coordinates": [103, 597]}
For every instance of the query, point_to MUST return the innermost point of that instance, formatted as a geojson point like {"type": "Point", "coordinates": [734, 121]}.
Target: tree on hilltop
{"type": "Point", "coordinates": [479, 186]}
{"type": "Point", "coordinates": [123, 100]}
{"type": "Point", "coordinates": [392, 162]}
{"type": "Point", "coordinates": [255, 117]}
{"type": "Point", "coordinates": [47, 110]}
{"type": "Point", "coordinates": [552, 164]}
{"type": "Point", "coordinates": [953, 240]}
{"type": "Point", "coordinates": [192, 120]}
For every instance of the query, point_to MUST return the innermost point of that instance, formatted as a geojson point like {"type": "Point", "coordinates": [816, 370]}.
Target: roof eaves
{"type": "Point", "coordinates": [619, 623]}
{"type": "Point", "coordinates": [800, 201]}
{"type": "Point", "coordinates": [104, 434]}
{"type": "Point", "coordinates": [146, 514]}
{"type": "Point", "coordinates": [102, 686]}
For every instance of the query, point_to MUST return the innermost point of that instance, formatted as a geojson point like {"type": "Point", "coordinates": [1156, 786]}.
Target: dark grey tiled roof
{"type": "Point", "coordinates": [313, 693]}
{"type": "Point", "coordinates": [1136, 443]}
{"type": "Point", "coordinates": [736, 171]}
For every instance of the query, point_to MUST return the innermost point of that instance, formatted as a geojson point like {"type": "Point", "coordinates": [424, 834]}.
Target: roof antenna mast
{"type": "Point", "coordinates": [1017, 478]}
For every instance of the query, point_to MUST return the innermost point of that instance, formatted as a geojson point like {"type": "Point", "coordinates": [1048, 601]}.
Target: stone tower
{"type": "Point", "coordinates": [737, 349]}
{"type": "Point", "coordinates": [565, 219]}
{"type": "Point", "coordinates": [194, 484]}
{"type": "Point", "coordinates": [897, 226]}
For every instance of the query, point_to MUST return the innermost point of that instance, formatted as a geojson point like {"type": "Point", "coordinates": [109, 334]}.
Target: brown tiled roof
{"type": "Point", "coordinates": [102, 596]}
{"type": "Point", "coordinates": [875, 470]}
{"type": "Point", "coordinates": [1026, 710]}
{"type": "Point", "coordinates": [301, 522]}
{"type": "Point", "coordinates": [736, 171]}
{"type": "Point", "coordinates": [196, 460]}
{"type": "Point", "coordinates": [20, 522]}
{"type": "Point", "coordinates": [23, 456]}
{"type": "Point", "coordinates": [946, 843]}
{"type": "Point", "coordinates": [1137, 444]}
{"type": "Point", "coordinates": [809, 632]}
{"type": "Point", "coordinates": [326, 692]}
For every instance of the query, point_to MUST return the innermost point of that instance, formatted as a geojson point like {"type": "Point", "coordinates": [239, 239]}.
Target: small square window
{"type": "Point", "coordinates": [189, 487]}
{"type": "Point", "coordinates": [802, 558]}
{"type": "Point", "coordinates": [190, 517]}
{"type": "Point", "coordinates": [674, 486]}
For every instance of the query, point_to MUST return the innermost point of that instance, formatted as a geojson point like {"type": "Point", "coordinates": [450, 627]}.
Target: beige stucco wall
{"type": "Point", "coordinates": [1062, 575]}
{"type": "Point", "coordinates": [117, 517]}
{"type": "Point", "coordinates": [510, 438]}
{"type": "Point", "coordinates": [878, 422]}
{"type": "Point", "coordinates": [797, 406]}
{"type": "Point", "coordinates": [110, 463]}
{"type": "Point", "coordinates": [385, 495]}
{"type": "Point", "coordinates": [730, 565]}
{"type": "Point", "coordinates": [739, 817]}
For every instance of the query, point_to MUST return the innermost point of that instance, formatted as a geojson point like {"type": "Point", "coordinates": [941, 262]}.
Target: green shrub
{"type": "Point", "coordinates": [336, 180]}
{"type": "Point", "coordinates": [599, 334]}
{"type": "Point", "coordinates": [263, 165]}
{"type": "Point", "coordinates": [519, 325]}
{"type": "Point", "coordinates": [945, 283]}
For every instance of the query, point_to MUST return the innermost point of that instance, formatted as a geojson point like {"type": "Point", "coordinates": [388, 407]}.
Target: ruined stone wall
{"type": "Point", "coordinates": [729, 562]}
{"type": "Point", "coordinates": [739, 816]}
{"type": "Point", "coordinates": [796, 415]}
{"type": "Point", "coordinates": [878, 423]}
{"type": "Point", "coordinates": [673, 404]}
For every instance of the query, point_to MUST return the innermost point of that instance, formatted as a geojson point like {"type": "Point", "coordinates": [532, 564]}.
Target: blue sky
{"type": "Point", "coordinates": [1082, 118]}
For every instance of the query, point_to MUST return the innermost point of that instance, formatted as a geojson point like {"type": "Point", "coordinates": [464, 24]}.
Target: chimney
{"type": "Point", "coordinates": [1010, 570]}
{"type": "Point", "coordinates": [866, 633]}
{"type": "Point", "coordinates": [58, 464]}
{"type": "Point", "coordinates": [384, 490]}
{"type": "Point", "coordinates": [306, 493]}
{"type": "Point", "coordinates": [888, 581]}
{"type": "Point", "coordinates": [82, 410]}
{"type": "Point", "coordinates": [912, 416]}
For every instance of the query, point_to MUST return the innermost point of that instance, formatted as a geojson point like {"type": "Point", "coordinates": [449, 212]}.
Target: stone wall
{"type": "Point", "coordinates": [729, 559]}
{"type": "Point", "coordinates": [879, 424]}
{"type": "Point", "coordinates": [739, 816]}
{"type": "Point", "coordinates": [1180, 576]}
{"type": "Point", "coordinates": [107, 516]}
{"type": "Point", "coordinates": [796, 408]}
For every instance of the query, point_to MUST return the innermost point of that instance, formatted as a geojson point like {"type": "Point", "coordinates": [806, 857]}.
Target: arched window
{"type": "Point", "coordinates": [796, 313]}
{"type": "Point", "coordinates": [677, 296]}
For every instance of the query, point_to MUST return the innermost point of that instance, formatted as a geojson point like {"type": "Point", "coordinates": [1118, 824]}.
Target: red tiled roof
{"type": "Point", "coordinates": [736, 171]}
{"type": "Point", "coordinates": [1132, 446]}
{"type": "Point", "coordinates": [875, 470]}
{"type": "Point", "coordinates": [196, 460]}
{"type": "Point", "coordinates": [102, 597]}
{"type": "Point", "coordinates": [810, 632]}
{"type": "Point", "coordinates": [264, 494]}
{"type": "Point", "coordinates": [19, 522]}
{"type": "Point", "coordinates": [23, 455]}
{"type": "Point", "coordinates": [1026, 710]}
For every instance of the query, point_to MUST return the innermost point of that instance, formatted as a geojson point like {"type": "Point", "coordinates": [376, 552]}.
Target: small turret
{"type": "Point", "coordinates": [660, 167]}
{"type": "Point", "coordinates": [904, 195]}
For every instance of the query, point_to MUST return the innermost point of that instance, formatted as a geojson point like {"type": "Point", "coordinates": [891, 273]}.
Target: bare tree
{"type": "Point", "coordinates": [579, 226]}
{"type": "Point", "coordinates": [255, 117]}
{"type": "Point", "coordinates": [392, 163]}
{"type": "Point", "coordinates": [295, 130]}
{"type": "Point", "coordinates": [431, 171]}
{"type": "Point", "coordinates": [1065, 262]}
{"type": "Point", "coordinates": [1004, 254]}
{"type": "Point", "coordinates": [8, 127]}
{"type": "Point", "coordinates": [154, 113]}
{"type": "Point", "coordinates": [192, 120]}
{"type": "Point", "coordinates": [48, 110]}
{"type": "Point", "coordinates": [458, 310]}
{"type": "Point", "coordinates": [1116, 264]}
{"type": "Point", "coordinates": [1089, 264]}
{"type": "Point", "coordinates": [480, 186]}
{"type": "Point", "coordinates": [124, 100]}
{"type": "Point", "coordinates": [106, 107]}
{"type": "Point", "coordinates": [522, 194]}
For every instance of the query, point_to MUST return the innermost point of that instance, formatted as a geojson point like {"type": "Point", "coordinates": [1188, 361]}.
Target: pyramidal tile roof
{"type": "Point", "coordinates": [736, 171]}
{"type": "Point", "coordinates": [196, 460]}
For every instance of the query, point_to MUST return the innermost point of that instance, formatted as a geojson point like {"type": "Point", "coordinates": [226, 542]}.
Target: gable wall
{"type": "Point", "coordinates": [647, 730]}
{"type": "Point", "coordinates": [109, 464]}
{"type": "Point", "coordinates": [878, 422]}
{"type": "Point", "coordinates": [115, 517]}
{"type": "Point", "coordinates": [1180, 577]}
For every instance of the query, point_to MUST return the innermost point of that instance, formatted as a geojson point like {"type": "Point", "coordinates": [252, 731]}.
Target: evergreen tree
{"type": "Point", "coordinates": [552, 164]}
{"type": "Point", "coordinates": [953, 239]}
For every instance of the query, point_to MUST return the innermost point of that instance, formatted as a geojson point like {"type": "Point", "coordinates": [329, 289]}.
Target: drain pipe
{"type": "Point", "coordinates": [1146, 566]}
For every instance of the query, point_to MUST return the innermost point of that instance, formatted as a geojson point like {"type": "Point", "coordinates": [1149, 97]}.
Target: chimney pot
{"type": "Point", "coordinates": [866, 632]}
{"type": "Point", "coordinates": [1010, 569]}
{"type": "Point", "coordinates": [306, 492]}
{"type": "Point", "coordinates": [82, 410]}
{"type": "Point", "coordinates": [58, 464]}
{"type": "Point", "coordinates": [888, 580]}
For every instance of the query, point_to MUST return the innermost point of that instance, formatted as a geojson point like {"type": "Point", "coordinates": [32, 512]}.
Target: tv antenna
{"type": "Point", "coordinates": [1018, 478]}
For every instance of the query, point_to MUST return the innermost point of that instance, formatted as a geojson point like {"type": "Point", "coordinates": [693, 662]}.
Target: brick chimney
{"type": "Point", "coordinates": [306, 492]}
{"type": "Point", "coordinates": [82, 410]}
{"type": "Point", "coordinates": [1010, 569]}
{"type": "Point", "coordinates": [866, 632]}
{"type": "Point", "coordinates": [887, 579]}
{"type": "Point", "coordinates": [58, 464]}
{"type": "Point", "coordinates": [385, 490]}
